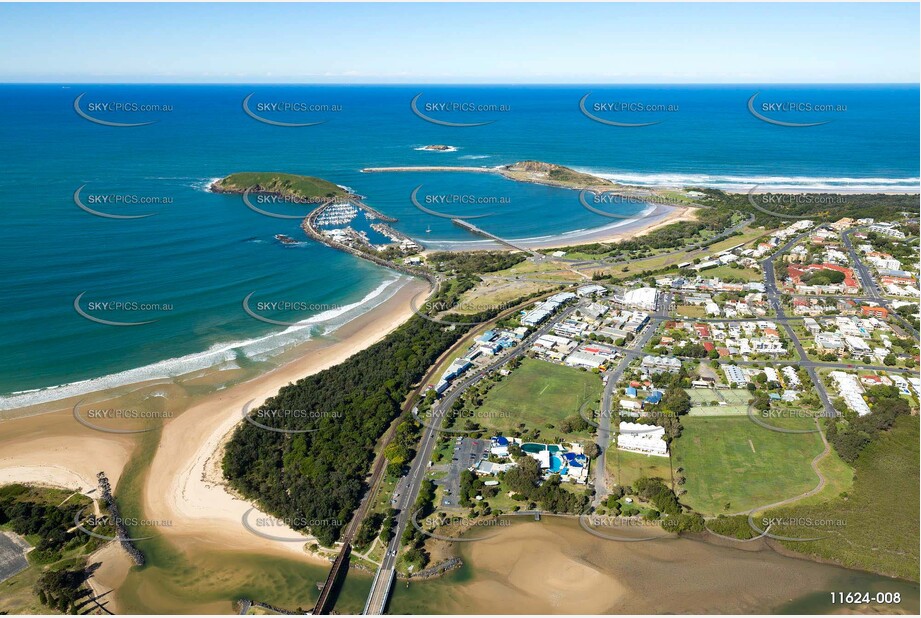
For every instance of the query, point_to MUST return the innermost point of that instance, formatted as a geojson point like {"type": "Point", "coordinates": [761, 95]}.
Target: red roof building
{"type": "Point", "coordinates": [877, 312]}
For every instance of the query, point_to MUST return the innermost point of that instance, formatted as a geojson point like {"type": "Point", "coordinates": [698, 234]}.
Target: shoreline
{"type": "Point", "coordinates": [660, 210]}
{"type": "Point", "coordinates": [215, 358]}
{"type": "Point", "coordinates": [184, 480]}
{"type": "Point", "coordinates": [183, 483]}
{"type": "Point", "coordinates": [658, 217]}
{"type": "Point", "coordinates": [735, 189]}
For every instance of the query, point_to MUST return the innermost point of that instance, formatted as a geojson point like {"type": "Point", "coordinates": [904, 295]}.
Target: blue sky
{"type": "Point", "coordinates": [461, 43]}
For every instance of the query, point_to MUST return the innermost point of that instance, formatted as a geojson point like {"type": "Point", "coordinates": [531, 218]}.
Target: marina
{"type": "Point", "coordinates": [338, 214]}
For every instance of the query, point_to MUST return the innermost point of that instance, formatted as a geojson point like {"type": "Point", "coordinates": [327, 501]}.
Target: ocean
{"type": "Point", "coordinates": [186, 269]}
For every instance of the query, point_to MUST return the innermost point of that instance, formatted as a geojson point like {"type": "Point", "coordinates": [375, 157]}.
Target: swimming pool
{"type": "Point", "coordinates": [556, 464]}
{"type": "Point", "coordinates": [534, 447]}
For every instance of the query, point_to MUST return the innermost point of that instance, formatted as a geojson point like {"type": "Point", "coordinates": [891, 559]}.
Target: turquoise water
{"type": "Point", "coordinates": [201, 253]}
{"type": "Point", "coordinates": [534, 447]}
{"type": "Point", "coordinates": [556, 464]}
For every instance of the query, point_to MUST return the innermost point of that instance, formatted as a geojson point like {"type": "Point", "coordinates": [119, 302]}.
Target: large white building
{"type": "Point", "coordinates": [851, 391]}
{"type": "Point", "coordinates": [735, 375]}
{"type": "Point", "coordinates": [640, 438]}
{"type": "Point", "coordinates": [643, 298]}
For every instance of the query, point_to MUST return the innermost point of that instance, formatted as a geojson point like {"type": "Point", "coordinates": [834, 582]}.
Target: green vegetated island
{"type": "Point", "coordinates": [285, 185]}
{"type": "Point", "coordinates": [321, 475]}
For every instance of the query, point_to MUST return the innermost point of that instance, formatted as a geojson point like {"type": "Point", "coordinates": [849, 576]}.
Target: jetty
{"type": "Point", "coordinates": [481, 232]}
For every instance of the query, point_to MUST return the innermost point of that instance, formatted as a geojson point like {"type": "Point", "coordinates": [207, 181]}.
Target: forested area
{"type": "Point", "coordinates": [317, 477]}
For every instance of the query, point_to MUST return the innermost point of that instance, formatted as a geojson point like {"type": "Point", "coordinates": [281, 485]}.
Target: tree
{"type": "Point", "coordinates": [762, 402]}
{"type": "Point", "coordinates": [592, 450]}
{"type": "Point", "coordinates": [677, 400]}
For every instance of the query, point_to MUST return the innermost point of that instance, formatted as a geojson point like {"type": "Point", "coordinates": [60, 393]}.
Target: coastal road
{"type": "Point", "coordinates": [404, 503]}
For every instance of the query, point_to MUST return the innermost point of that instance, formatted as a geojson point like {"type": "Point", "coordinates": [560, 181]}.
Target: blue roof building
{"type": "Point", "coordinates": [486, 337]}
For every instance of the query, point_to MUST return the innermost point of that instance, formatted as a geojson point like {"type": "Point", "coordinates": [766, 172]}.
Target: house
{"type": "Point", "coordinates": [831, 342]}
{"type": "Point", "coordinates": [659, 364]}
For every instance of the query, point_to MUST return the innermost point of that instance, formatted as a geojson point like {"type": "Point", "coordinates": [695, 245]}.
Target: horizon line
{"type": "Point", "coordinates": [413, 83]}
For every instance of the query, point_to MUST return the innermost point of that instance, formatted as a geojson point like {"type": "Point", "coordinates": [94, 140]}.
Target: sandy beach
{"type": "Point", "coordinates": [185, 484]}
{"type": "Point", "coordinates": [184, 487]}
{"type": "Point", "coordinates": [619, 229]}
{"type": "Point", "coordinates": [659, 217]}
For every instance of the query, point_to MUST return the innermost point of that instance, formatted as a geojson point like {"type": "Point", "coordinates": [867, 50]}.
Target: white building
{"type": "Point", "coordinates": [790, 377]}
{"type": "Point", "coordinates": [588, 290]}
{"type": "Point", "coordinates": [643, 298]}
{"type": "Point", "coordinates": [581, 358]}
{"type": "Point", "coordinates": [850, 390]}
{"type": "Point", "coordinates": [659, 364]}
{"type": "Point", "coordinates": [640, 438]}
{"type": "Point", "coordinates": [887, 229]}
{"type": "Point", "coordinates": [734, 374]}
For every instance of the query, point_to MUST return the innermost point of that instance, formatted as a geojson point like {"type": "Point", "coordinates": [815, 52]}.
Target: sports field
{"type": "Point", "coordinates": [730, 402]}
{"type": "Point", "coordinates": [733, 465]}
{"type": "Point", "coordinates": [538, 394]}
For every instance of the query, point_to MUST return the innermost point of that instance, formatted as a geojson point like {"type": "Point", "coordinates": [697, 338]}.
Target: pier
{"type": "Point", "coordinates": [340, 567]}
{"type": "Point", "coordinates": [481, 232]}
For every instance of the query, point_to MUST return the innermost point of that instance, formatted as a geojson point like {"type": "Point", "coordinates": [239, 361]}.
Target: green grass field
{"type": "Point", "coordinates": [624, 467]}
{"type": "Point", "coordinates": [875, 524]}
{"type": "Point", "coordinates": [538, 394]}
{"type": "Point", "coordinates": [734, 402]}
{"type": "Point", "coordinates": [724, 272]}
{"type": "Point", "coordinates": [733, 465]}
{"type": "Point", "coordinates": [691, 311]}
